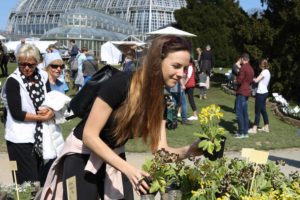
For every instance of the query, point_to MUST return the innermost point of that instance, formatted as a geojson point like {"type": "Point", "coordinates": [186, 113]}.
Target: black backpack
{"type": "Point", "coordinates": [83, 101]}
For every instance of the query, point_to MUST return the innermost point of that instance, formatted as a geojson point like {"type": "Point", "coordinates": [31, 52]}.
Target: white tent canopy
{"type": "Point", "coordinates": [2, 37]}
{"type": "Point", "coordinates": [41, 45]}
{"type": "Point", "coordinates": [110, 53]}
{"type": "Point", "coordinates": [171, 31]}
{"type": "Point", "coordinates": [125, 45]}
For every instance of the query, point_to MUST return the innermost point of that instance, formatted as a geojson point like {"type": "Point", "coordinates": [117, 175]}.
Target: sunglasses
{"type": "Point", "coordinates": [57, 66]}
{"type": "Point", "coordinates": [30, 65]}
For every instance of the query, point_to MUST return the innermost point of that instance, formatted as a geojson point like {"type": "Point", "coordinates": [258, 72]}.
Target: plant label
{"type": "Point", "coordinates": [71, 188]}
{"type": "Point", "coordinates": [13, 165]}
{"type": "Point", "coordinates": [259, 157]}
{"type": "Point", "coordinates": [246, 152]}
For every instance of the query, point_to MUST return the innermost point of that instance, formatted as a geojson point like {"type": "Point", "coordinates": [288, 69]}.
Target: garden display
{"type": "Point", "coordinates": [216, 177]}
{"type": "Point", "coordinates": [221, 179]}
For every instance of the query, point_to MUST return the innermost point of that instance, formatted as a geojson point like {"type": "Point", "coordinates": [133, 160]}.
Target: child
{"type": "Point", "coordinates": [203, 84]}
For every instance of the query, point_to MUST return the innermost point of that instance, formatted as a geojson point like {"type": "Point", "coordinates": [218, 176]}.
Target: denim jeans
{"type": "Point", "coordinates": [242, 114]}
{"type": "Point", "coordinates": [180, 100]}
{"type": "Point", "coordinates": [183, 106]}
{"type": "Point", "coordinates": [260, 108]}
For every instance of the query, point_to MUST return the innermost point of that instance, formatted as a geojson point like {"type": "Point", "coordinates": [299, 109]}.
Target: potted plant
{"type": "Point", "coordinates": [167, 172]}
{"type": "Point", "coordinates": [211, 135]}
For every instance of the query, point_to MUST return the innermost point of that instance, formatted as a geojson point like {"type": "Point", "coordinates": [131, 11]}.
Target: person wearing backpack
{"type": "Point", "coordinates": [128, 105]}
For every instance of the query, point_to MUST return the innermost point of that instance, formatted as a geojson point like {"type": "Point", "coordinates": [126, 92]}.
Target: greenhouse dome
{"type": "Point", "coordinates": [89, 28]}
{"type": "Point", "coordinates": [36, 17]}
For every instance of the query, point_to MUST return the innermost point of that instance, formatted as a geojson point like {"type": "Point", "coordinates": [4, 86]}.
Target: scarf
{"type": "Point", "coordinates": [36, 94]}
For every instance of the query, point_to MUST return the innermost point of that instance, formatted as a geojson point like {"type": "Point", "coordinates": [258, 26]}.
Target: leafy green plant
{"type": "Point", "coordinates": [231, 178]}
{"type": "Point", "coordinates": [211, 135]}
{"type": "Point", "coordinates": [166, 171]}
{"type": "Point", "coordinates": [25, 191]}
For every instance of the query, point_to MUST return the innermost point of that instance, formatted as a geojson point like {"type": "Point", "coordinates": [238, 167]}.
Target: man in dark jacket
{"type": "Point", "coordinates": [3, 59]}
{"type": "Point", "coordinates": [244, 80]}
{"type": "Point", "coordinates": [207, 60]}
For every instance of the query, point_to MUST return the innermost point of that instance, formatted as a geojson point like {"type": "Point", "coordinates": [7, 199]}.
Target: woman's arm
{"type": "Point", "coordinates": [15, 105]}
{"type": "Point", "coordinates": [189, 74]}
{"type": "Point", "coordinates": [98, 117]}
{"type": "Point", "coordinates": [259, 78]}
{"type": "Point", "coordinates": [184, 152]}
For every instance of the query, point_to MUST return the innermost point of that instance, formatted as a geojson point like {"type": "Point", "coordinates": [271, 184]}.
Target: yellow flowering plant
{"type": "Point", "coordinates": [211, 135]}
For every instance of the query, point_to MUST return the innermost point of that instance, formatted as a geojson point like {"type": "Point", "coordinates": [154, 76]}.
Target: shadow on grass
{"type": "Point", "coordinates": [227, 108]}
{"type": "Point", "coordinates": [294, 163]}
{"type": "Point", "coordinates": [228, 126]}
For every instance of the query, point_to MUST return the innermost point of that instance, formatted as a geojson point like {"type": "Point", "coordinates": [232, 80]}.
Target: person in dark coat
{"type": "Point", "coordinates": [3, 59]}
{"type": "Point", "coordinates": [207, 60]}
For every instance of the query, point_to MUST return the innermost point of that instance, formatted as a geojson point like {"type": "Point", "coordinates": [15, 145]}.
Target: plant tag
{"type": "Point", "coordinates": [259, 157]}
{"type": "Point", "coordinates": [13, 165]}
{"type": "Point", "coordinates": [246, 152]}
{"type": "Point", "coordinates": [71, 188]}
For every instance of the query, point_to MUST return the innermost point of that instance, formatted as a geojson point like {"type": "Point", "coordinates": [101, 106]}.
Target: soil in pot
{"type": "Point", "coordinates": [216, 154]}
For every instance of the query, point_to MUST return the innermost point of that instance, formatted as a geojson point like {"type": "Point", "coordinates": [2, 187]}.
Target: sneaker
{"type": "Point", "coordinates": [204, 97]}
{"type": "Point", "coordinates": [264, 129]}
{"type": "Point", "coordinates": [178, 115]}
{"type": "Point", "coordinates": [186, 123]}
{"type": "Point", "coordinates": [241, 136]}
{"type": "Point", "coordinates": [252, 131]}
{"type": "Point", "coordinates": [192, 118]}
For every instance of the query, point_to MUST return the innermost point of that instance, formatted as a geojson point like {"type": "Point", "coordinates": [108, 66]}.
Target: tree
{"type": "Point", "coordinates": [284, 17]}
{"type": "Point", "coordinates": [213, 22]}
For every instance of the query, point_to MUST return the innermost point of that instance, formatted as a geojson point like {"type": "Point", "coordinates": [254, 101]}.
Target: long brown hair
{"type": "Point", "coordinates": [142, 112]}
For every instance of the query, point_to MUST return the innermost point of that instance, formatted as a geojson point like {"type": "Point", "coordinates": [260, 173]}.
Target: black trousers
{"type": "Point", "coordinates": [28, 163]}
{"type": "Point", "coordinates": [89, 186]}
{"type": "Point", "coordinates": [190, 93]}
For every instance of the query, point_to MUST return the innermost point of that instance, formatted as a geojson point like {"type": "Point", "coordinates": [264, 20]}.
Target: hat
{"type": "Point", "coordinates": [50, 57]}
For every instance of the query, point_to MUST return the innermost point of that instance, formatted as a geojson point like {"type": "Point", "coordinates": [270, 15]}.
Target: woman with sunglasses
{"type": "Point", "coordinates": [129, 105]}
{"type": "Point", "coordinates": [23, 94]}
{"type": "Point", "coordinates": [55, 66]}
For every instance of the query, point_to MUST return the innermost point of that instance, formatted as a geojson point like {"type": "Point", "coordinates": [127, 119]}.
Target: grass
{"type": "Point", "coordinates": [281, 135]}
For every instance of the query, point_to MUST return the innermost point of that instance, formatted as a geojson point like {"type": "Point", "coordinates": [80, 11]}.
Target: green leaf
{"type": "Point", "coordinates": [202, 135]}
{"type": "Point", "coordinates": [203, 144]}
{"type": "Point", "coordinates": [154, 186]}
{"type": "Point", "coordinates": [210, 148]}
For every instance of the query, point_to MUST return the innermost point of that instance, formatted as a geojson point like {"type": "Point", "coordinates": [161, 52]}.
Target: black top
{"type": "Point", "coordinates": [14, 98]}
{"type": "Point", "coordinates": [113, 92]}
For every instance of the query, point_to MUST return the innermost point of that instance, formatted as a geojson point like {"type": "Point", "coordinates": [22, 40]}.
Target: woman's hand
{"type": "Point", "coordinates": [137, 179]}
{"type": "Point", "coordinates": [45, 114]}
{"type": "Point", "coordinates": [194, 150]}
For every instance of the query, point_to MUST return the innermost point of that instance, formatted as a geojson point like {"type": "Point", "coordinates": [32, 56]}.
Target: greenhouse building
{"type": "Point", "coordinates": [91, 22]}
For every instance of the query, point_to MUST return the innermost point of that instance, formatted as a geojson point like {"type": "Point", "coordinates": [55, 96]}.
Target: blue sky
{"type": "Point", "coordinates": [8, 5]}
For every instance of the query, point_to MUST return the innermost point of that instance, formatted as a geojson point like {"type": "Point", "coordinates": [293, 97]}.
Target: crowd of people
{"type": "Point", "coordinates": [131, 105]}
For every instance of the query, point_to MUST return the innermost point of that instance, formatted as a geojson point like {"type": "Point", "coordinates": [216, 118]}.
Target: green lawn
{"type": "Point", "coordinates": [281, 135]}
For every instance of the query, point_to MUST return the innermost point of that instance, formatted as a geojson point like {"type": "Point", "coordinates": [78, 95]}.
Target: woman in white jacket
{"type": "Point", "coordinates": [23, 94]}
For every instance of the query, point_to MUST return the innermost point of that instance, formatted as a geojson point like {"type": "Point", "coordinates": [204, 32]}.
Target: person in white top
{"type": "Point", "coordinates": [263, 81]}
